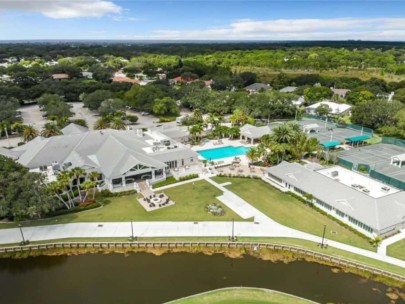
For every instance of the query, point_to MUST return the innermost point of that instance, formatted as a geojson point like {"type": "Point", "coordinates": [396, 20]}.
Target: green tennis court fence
{"type": "Point", "coordinates": [388, 180]}
{"type": "Point", "coordinates": [393, 141]}
{"type": "Point", "coordinates": [345, 163]}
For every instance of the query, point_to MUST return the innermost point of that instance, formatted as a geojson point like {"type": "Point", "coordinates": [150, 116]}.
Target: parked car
{"type": "Point", "coordinates": [144, 113]}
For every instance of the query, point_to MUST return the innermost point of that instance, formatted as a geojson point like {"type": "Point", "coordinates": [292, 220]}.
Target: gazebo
{"type": "Point", "coordinates": [251, 133]}
{"type": "Point", "coordinates": [356, 139]}
{"type": "Point", "coordinates": [330, 144]}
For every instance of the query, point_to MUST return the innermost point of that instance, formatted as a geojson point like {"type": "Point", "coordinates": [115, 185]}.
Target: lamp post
{"type": "Point", "coordinates": [323, 237]}
{"type": "Point", "coordinates": [132, 238]}
{"type": "Point", "coordinates": [233, 237]}
{"type": "Point", "coordinates": [22, 234]}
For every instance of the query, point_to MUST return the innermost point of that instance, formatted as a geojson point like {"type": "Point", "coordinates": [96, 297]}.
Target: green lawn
{"type": "Point", "coordinates": [242, 296]}
{"type": "Point", "coordinates": [290, 212]}
{"type": "Point", "coordinates": [397, 250]}
{"type": "Point", "coordinates": [190, 200]}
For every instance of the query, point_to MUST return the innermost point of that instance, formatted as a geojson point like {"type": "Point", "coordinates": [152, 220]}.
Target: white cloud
{"type": "Point", "coordinates": [63, 9]}
{"type": "Point", "coordinates": [295, 29]}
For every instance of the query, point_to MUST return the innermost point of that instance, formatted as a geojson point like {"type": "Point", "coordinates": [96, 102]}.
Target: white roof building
{"type": "Point", "coordinates": [120, 156]}
{"type": "Point", "coordinates": [336, 108]}
{"type": "Point", "coordinates": [368, 205]}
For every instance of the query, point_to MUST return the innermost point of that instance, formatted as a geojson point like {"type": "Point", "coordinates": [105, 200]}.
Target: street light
{"type": "Point", "coordinates": [322, 244]}
{"type": "Point", "coordinates": [233, 237]}
{"type": "Point", "coordinates": [132, 238]}
{"type": "Point", "coordinates": [22, 235]}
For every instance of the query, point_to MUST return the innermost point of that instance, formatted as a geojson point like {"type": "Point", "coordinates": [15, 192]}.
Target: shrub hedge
{"type": "Point", "coordinates": [171, 180]}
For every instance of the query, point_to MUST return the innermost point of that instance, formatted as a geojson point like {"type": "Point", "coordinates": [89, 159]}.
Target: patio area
{"type": "Point", "coordinates": [240, 169]}
{"type": "Point", "coordinates": [151, 201]}
{"type": "Point", "coordinates": [155, 201]}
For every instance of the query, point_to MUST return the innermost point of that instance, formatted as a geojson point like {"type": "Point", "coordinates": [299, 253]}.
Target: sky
{"type": "Point", "coordinates": [202, 20]}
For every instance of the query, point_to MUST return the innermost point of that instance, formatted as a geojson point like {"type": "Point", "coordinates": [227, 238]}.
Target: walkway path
{"type": "Point", "coordinates": [262, 226]}
{"type": "Point", "coordinates": [382, 249]}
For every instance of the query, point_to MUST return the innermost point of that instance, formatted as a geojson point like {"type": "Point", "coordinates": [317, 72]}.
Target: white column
{"type": "Point", "coordinates": [123, 181]}
{"type": "Point", "coordinates": [153, 174]}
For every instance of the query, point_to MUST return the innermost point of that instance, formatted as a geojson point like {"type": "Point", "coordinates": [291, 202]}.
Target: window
{"type": "Point", "coordinates": [340, 213]}
{"type": "Point", "coordinates": [274, 177]}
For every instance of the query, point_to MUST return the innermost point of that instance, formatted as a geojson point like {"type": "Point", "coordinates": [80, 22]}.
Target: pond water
{"type": "Point", "coordinates": [145, 278]}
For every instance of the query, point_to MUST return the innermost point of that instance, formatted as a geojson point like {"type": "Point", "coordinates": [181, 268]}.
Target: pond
{"type": "Point", "coordinates": [145, 278]}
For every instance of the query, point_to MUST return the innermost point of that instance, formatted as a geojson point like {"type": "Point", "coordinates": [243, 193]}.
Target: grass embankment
{"type": "Point", "coordinates": [190, 200]}
{"type": "Point", "coordinates": [281, 241]}
{"type": "Point", "coordinates": [290, 212]}
{"type": "Point", "coordinates": [397, 250]}
{"type": "Point", "coordinates": [242, 296]}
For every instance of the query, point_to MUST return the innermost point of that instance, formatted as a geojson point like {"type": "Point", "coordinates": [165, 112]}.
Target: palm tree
{"type": "Point", "coordinates": [56, 189]}
{"type": "Point", "coordinates": [253, 155]}
{"type": "Point", "coordinates": [118, 124]}
{"type": "Point", "coordinates": [195, 131]}
{"type": "Point", "coordinates": [66, 183]}
{"type": "Point", "coordinates": [283, 134]}
{"type": "Point", "coordinates": [17, 127]}
{"type": "Point", "coordinates": [29, 133]}
{"type": "Point", "coordinates": [376, 242]}
{"type": "Point", "coordinates": [76, 174]}
{"type": "Point", "coordinates": [94, 176]}
{"type": "Point", "coordinates": [87, 185]}
{"type": "Point", "coordinates": [101, 124]}
{"type": "Point", "coordinates": [234, 132]}
{"type": "Point", "coordinates": [50, 129]}
{"type": "Point", "coordinates": [197, 116]}
{"type": "Point", "coordinates": [5, 125]}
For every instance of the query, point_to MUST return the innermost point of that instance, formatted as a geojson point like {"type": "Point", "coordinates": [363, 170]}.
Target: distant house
{"type": "Point", "coordinates": [256, 87]}
{"type": "Point", "coordinates": [125, 79]}
{"type": "Point", "coordinates": [340, 92]}
{"type": "Point", "coordinates": [208, 83]}
{"type": "Point", "coordinates": [161, 76]}
{"type": "Point", "coordinates": [88, 75]}
{"type": "Point", "coordinates": [298, 102]}
{"type": "Point", "coordinates": [288, 89]}
{"type": "Point", "coordinates": [61, 76]}
{"type": "Point", "coordinates": [336, 108]}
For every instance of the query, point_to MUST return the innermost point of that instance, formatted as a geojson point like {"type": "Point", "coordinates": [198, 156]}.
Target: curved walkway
{"type": "Point", "coordinates": [262, 226]}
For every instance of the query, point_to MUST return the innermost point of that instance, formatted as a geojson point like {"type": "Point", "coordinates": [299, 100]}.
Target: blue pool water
{"type": "Point", "coordinates": [223, 152]}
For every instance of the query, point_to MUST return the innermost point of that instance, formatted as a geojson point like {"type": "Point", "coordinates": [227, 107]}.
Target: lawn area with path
{"type": "Point", "coordinates": [397, 250]}
{"type": "Point", "coordinates": [242, 296]}
{"type": "Point", "coordinates": [190, 200]}
{"type": "Point", "coordinates": [288, 211]}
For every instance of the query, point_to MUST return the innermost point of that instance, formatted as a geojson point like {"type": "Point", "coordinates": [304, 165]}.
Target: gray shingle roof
{"type": "Point", "coordinates": [74, 129]}
{"type": "Point", "coordinates": [253, 131]}
{"type": "Point", "coordinates": [378, 213]}
{"type": "Point", "coordinates": [112, 152]}
{"type": "Point", "coordinates": [288, 89]}
{"type": "Point", "coordinates": [258, 86]}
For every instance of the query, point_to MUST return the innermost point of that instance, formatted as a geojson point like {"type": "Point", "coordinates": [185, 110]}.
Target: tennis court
{"type": "Point", "coordinates": [378, 157]}
{"type": "Point", "coordinates": [326, 132]}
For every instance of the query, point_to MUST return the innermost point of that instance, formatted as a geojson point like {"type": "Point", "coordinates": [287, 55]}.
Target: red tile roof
{"type": "Point", "coordinates": [60, 76]}
{"type": "Point", "coordinates": [125, 79]}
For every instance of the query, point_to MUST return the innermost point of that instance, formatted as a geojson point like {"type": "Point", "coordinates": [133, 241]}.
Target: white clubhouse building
{"type": "Point", "coordinates": [121, 157]}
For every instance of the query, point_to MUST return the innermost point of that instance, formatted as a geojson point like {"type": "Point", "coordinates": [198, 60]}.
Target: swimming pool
{"type": "Point", "coordinates": [223, 152]}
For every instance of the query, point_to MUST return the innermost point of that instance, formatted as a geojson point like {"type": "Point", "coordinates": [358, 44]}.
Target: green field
{"type": "Point", "coordinates": [190, 200]}
{"type": "Point", "coordinates": [397, 250]}
{"type": "Point", "coordinates": [242, 296]}
{"type": "Point", "coordinates": [290, 212]}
